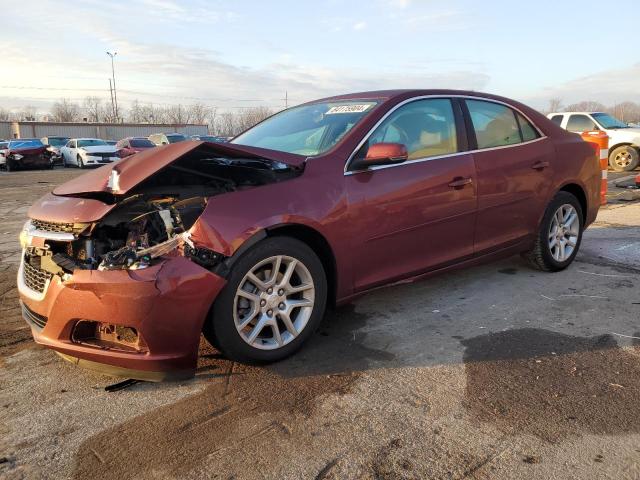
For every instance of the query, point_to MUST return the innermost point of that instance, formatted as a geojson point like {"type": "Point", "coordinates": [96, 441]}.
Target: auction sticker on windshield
{"type": "Point", "coordinates": [349, 108]}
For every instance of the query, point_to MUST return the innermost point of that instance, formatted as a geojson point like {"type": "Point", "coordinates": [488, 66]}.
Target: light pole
{"type": "Point", "coordinates": [113, 76]}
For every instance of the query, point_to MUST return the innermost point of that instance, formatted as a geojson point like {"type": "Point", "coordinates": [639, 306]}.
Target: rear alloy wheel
{"type": "Point", "coordinates": [624, 159]}
{"type": "Point", "coordinates": [559, 234]}
{"type": "Point", "coordinates": [274, 300]}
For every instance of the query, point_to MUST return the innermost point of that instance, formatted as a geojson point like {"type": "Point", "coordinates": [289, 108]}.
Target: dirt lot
{"type": "Point", "coordinates": [497, 372]}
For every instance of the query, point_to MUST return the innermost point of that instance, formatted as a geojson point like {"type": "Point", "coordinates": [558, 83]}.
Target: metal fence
{"type": "Point", "coordinates": [106, 131]}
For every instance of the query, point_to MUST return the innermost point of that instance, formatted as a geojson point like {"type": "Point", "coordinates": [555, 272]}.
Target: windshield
{"type": "Point", "coordinates": [29, 143]}
{"type": "Point", "coordinates": [176, 138]}
{"type": "Point", "coordinates": [90, 142]}
{"type": "Point", "coordinates": [607, 121]}
{"type": "Point", "coordinates": [58, 142]}
{"type": "Point", "coordinates": [307, 130]}
{"type": "Point", "coordinates": [141, 143]}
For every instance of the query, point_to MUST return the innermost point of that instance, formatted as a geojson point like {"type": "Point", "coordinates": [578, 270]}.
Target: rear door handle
{"type": "Point", "coordinates": [460, 182]}
{"type": "Point", "coordinates": [540, 165]}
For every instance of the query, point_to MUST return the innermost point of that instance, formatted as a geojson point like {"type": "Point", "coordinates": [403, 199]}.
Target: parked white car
{"type": "Point", "coordinates": [624, 141]}
{"type": "Point", "coordinates": [4, 147]}
{"type": "Point", "coordinates": [85, 152]}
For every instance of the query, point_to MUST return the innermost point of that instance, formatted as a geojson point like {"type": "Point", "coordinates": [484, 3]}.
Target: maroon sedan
{"type": "Point", "coordinates": [130, 145]}
{"type": "Point", "coordinates": [248, 241]}
{"type": "Point", "coordinates": [27, 153]}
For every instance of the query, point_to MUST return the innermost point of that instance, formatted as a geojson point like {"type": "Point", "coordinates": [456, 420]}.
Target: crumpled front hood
{"type": "Point", "coordinates": [29, 151]}
{"type": "Point", "coordinates": [121, 176]}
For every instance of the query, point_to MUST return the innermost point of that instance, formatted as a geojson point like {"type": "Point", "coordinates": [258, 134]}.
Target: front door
{"type": "Point", "coordinates": [418, 215]}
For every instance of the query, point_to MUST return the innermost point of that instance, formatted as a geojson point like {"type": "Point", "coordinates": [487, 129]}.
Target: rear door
{"type": "Point", "coordinates": [415, 216]}
{"type": "Point", "coordinates": [514, 170]}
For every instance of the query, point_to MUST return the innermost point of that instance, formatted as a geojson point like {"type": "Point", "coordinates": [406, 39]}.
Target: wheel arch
{"type": "Point", "coordinates": [622, 144]}
{"type": "Point", "coordinates": [319, 244]}
{"type": "Point", "coordinates": [578, 192]}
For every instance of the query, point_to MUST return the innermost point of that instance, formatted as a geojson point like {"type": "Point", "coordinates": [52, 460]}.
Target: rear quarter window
{"type": "Point", "coordinates": [527, 129]}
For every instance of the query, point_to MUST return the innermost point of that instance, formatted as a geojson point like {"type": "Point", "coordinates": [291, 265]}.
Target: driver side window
{"type": "Point", "coordinates": [426, 127]}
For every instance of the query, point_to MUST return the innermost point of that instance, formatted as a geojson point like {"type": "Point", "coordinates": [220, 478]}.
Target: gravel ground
{"type": "Point", "coordinates": [495, 372]}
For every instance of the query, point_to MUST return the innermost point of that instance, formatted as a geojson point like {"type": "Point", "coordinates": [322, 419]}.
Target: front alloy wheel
{"type": "Point", "coordinates": [274, 300]}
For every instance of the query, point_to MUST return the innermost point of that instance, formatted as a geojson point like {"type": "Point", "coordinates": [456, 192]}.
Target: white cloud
{"type": "Point", "coordinates": [608, 87]}
{"type": "Point", "coordinates": [360, 25]}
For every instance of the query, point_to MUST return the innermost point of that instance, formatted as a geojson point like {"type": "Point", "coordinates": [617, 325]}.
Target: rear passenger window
{"type": "Point", "coordinates": [557, 119]}
{"type": "Point", "coordinates": [580, 123]}
{"type": "Point", "coordinates": [426, 127]}
{"type": "Point", "coordinates": [526, 129]}
{"type": "Point", "coordinates": [495, 125]}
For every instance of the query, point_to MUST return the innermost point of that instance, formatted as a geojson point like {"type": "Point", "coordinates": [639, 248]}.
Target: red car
{"type": "Point", "coordinates": [26, 153]}
{"type": "Point", "coordinates": [130, 145]}
{"type": "Point", "coordinates": [248, 241]}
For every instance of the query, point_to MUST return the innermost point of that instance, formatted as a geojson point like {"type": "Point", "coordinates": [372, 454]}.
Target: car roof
{"type": "Point", "coordinates": [408, 93]}
{"type": "Point", "coordinates": [565, 113]}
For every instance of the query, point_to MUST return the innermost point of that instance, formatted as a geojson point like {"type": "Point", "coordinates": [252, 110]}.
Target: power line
{"type": "Point", "coordinates": [138, 92]}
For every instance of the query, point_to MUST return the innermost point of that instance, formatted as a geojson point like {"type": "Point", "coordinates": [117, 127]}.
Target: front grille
{"type": "Point", "coordinates": [104, 155]}
{"type": "Point", "coordinates": [32, 318]}
{"type": "Point", "coordinates": [34, 278]}
{"type": "Point", "coordinates": [52, 226]}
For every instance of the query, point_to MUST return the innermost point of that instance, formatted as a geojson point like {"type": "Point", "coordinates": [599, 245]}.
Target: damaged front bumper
{"type": "Point", "coordinates": [143, 324]}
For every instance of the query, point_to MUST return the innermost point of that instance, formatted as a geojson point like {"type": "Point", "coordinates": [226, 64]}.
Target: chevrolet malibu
{"type": "Point", "coordinates": [247, 242]}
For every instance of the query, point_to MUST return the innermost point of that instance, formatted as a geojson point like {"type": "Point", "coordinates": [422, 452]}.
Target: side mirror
{"type": "Point", "coordinates": [382, 154]}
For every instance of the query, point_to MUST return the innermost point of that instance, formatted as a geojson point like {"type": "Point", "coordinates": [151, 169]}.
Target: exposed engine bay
{"type": "Point", "coordinates": [153, 219]}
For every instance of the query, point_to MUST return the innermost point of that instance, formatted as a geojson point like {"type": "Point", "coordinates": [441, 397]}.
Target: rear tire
{"type": "Point", "coordinates": [559, 235]}
{"type": "Point", "coordinates": [236, 316]}
{"type": "Point", "coordinates": [624, 158]}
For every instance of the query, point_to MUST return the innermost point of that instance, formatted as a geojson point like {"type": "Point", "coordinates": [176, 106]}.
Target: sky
{"type": "Point", "coordinates": [237, 54]}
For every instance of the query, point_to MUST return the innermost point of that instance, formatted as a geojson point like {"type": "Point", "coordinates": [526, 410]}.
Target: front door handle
{"type": "Point", "coordinates": [460, 182]}
{"type": "Point", "coordinates": [540, 165]}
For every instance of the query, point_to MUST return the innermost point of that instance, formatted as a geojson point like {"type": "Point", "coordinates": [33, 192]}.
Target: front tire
{"type": "Point", "coordinates": [559, 234]}
{"type": "Point", "coordinates": [274, 300]}
{"type": "Point", "coordinates": [624, 158]}
{"type": "Point", "coordinates": [79, 160]}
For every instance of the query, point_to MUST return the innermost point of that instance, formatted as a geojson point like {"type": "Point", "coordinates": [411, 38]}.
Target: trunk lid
{"type": "Point", "coordinates": [120, 177]}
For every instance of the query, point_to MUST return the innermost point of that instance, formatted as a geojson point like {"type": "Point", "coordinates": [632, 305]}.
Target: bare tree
{"type": "Point", "coordinates": [137, 112]}
{"type": "Point", "coordinates": [5, 115]}
{"type": "Point", "coordinates": [555, 105]}
{"type": "Point", "coordinates": [229, 124]}
{"type": "Point", "coordinates": [26, 114]}
{"type": "Point", "coordinates": [93, 108]}
{"type": "Point", "coordinates": [199, 113]}
{"type": "Point", "coordinates": [625, 111]}
{"type": "Point", "coordinates": [586, 106]}
{"type": "Point", "coordinates": [177, 114]}
{"type": "Point", "coordinates": [64, 110]}
{"type": "Point", "coordinates": [225, 124]}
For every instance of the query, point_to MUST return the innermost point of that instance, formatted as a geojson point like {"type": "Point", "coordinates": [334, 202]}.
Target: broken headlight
{"type": "Point", "coordinates": [129, 258]}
